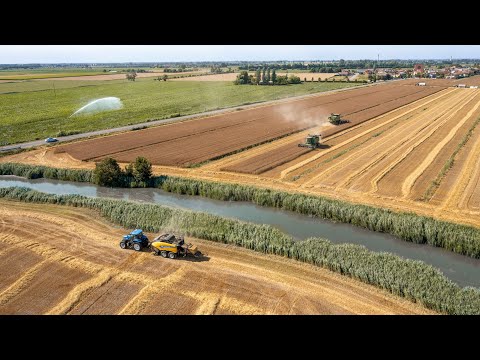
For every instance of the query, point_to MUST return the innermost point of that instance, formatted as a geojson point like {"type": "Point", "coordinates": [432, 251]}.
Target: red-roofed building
{"type": "Point", "coordinates": [418, 69]}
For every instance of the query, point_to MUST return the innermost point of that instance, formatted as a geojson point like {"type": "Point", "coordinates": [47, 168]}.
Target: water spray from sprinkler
{"type": "Point", "coordinates": [100, 105]}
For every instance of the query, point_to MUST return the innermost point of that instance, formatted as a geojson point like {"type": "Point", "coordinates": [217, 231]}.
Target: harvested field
{"type": "Point", "coordinates": [76, 267]}
{"type": "Point", "coordinates": [390, 99]}
{"type": "Point", "coordinates": [271, 159]}
{"type": "Point", "coordinates": [342, 142]}
{"type": "Point", "coordinates": [308, 75]}
{"type": "Point", "coordinates": [121, 76]}
{"type": "Point", "coordinates": [213, 77]}
{"type": "Point", "coordinates": [399, 155]}
{"type": "Point", "coordinates": [469, 81]}
{"type": "Point", "coordinates": [268, 160]}
{"type": "Point", "coordinates": [216, 136]}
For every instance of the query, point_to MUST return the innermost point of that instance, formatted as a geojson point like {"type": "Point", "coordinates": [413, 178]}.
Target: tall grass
{"type": "Point", "coordinates": [39, 171]}
{"type": "Point", "coordinates": [462, 239]}
{"type": "Point", "coordinates": [459, 238]}
{"type": "Point", "coordinates": [410, 279]}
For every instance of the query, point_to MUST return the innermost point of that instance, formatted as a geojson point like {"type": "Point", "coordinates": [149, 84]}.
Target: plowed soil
{"type": "Point", "coordinates": [67, 261]}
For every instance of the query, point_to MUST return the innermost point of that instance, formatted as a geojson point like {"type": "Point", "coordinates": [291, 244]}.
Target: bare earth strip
{"type": "Point", "coordinates": [232, 281]}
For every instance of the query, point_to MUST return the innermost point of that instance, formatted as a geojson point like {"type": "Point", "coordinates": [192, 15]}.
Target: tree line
{"type": "Point", "coordinates": [265, 76]}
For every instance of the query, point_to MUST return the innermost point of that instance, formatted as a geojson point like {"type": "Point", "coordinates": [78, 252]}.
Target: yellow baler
{"type": "Point", "coordinates": [168, 245]}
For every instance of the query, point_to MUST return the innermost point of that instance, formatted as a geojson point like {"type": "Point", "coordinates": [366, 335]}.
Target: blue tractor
{"type": "Point", "coordinates": [136, 240]}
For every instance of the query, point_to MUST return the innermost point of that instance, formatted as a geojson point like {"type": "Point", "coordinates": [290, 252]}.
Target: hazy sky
{"type": "Point", "coordinates": [159, 53]}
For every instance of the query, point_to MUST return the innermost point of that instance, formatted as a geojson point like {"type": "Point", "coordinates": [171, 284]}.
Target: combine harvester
{"type": "Point", "coordinates": [313, 141]}
{"type": "Point", "coordinates": [166, 245]}
{"type": "Point", "coordinates": [336, 119]}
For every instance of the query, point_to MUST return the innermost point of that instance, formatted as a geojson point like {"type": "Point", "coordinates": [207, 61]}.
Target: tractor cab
{"type": "Point", "coordinates": [136, 240]}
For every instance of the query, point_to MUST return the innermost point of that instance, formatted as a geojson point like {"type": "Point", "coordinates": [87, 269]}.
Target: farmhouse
{"type": "Point", "coordinates": [418, 69]}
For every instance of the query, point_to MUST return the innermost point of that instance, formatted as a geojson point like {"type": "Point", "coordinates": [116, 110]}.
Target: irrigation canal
{"type": "Point", "coordinates": [461, 269]}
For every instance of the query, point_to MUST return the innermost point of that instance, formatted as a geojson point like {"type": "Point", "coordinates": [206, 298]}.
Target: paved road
{"type": "Point", "coordinates": [35, 143]}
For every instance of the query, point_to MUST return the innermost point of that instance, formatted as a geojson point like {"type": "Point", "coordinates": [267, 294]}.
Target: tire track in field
{"type": "Point", "coordinates": [374, 182]}
{"type": "Point", "coordinates": [388, 139]}
{"type": "Point", "coordinates": [285, 172]}
{"type": "Point", "coordinates": [410, 180]}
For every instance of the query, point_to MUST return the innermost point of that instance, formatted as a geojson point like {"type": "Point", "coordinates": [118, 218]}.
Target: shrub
{"type": "Point", "coordinates": [142, 171]}
{"type": "Point", "coordinates": [107, 173]}
{"type": "Point", "coordinates": [294, 80]}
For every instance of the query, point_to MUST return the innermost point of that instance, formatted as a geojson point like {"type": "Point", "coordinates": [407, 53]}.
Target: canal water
{"type": "Point", "coordinates": [461, 269]}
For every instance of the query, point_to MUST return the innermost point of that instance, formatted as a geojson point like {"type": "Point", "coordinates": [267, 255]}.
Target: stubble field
{"type": "Point", "coordinates": [69, 261]}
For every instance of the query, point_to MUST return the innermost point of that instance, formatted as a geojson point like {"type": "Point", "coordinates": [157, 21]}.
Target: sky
{"type": "Point", "coordinates": [25, 54]}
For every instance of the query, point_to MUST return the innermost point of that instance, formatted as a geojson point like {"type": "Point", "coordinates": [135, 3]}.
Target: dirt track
{"type": "Point", "coordinates": [62, 260]}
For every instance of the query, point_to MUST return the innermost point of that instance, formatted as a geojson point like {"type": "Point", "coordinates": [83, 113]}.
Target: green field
{"type": "Point", "coordinates": [43, 73]}
{"type": "Point", "coordinates": [29, 115]}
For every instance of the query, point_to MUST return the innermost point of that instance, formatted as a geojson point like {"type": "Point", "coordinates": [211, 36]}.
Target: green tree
{"type": "Point", "coordinates": [165, 77]}
{"type": "Point", "coordinates": [282, 80]}
{"type": "Point", "coordinates": [257, 76]}
{"type": "Point", "coordinates": [131, 76]}
{"type": "Point", "coordinates": [294, 80]}
{"type": "Point", "coordinates": [268, 76]}
{"type": "Point", "coordinates": [142, 170]}
{"type": "Point", "coordinates": [263, 76]}
{"type": "Point", "coordinates": [274, 76]}
{"type": "Point", "coordinates": [107, 173]}
{"type": "Point", "coordinates": [243, 78]}
{"type": "Point", "coordinates": [129, 170]}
